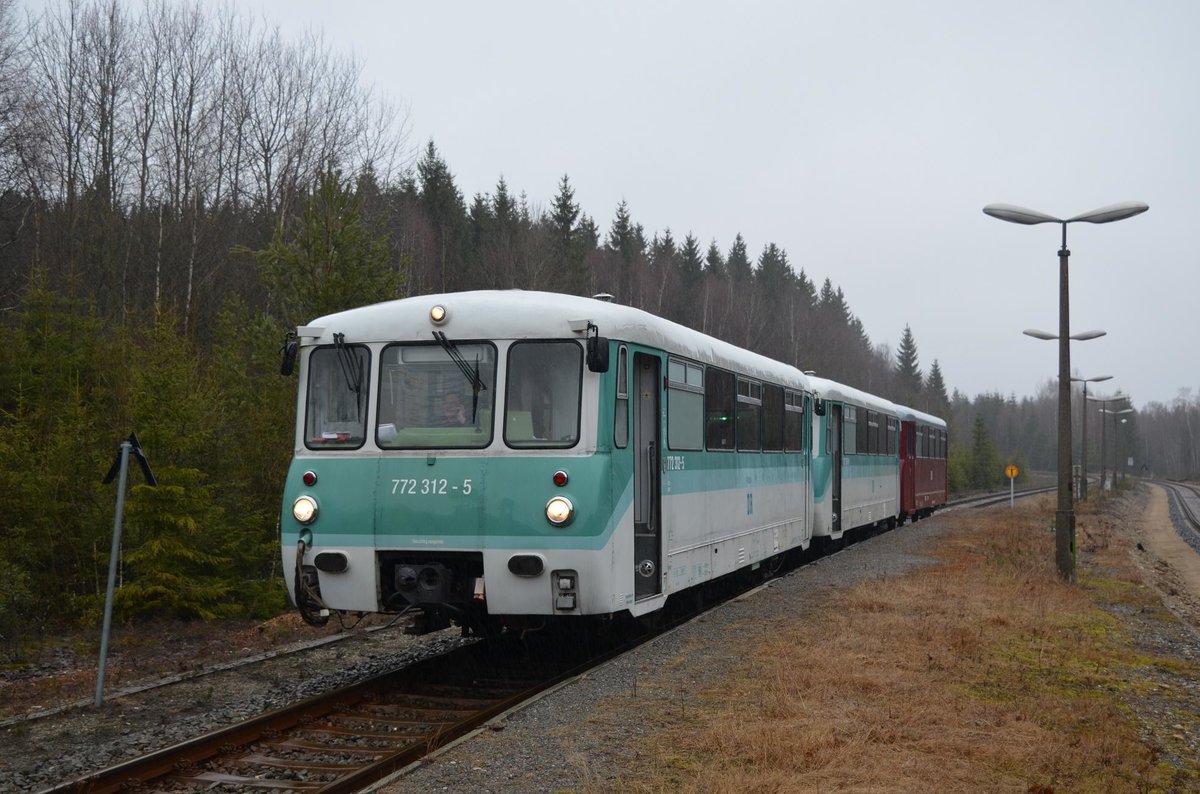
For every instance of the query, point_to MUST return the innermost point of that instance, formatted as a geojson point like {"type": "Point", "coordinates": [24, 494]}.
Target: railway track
{"type": "Point", "coordinates": [345, 739]}
{"type": "Point", "coordinates": [986, 500]}
{"type": "Point", "coordinates": [1187, 496]}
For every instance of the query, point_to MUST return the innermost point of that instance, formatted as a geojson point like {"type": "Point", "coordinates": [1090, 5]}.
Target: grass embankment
{"type": "Point", "coordinates": [982, 673]}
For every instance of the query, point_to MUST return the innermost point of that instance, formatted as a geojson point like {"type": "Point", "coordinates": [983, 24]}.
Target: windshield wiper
{"type": "Point", "coordinates": [472, 375]}
{"type": "Point", "coordinates": [351, 363]}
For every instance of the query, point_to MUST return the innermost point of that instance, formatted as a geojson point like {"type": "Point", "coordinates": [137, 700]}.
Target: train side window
{"type": "Point", "coordinates": [772, 398]}
{"type": "Point", "coordinates": [545, 380]}
{"type": "Point", "coordinates": [685, 405]}
{"type": "Point", "coordinates": [621, 406]}
{"type": "Point", "coordinates": [891, 436]}
{"type": "Point", "coordinates": [719, 396]}
{"type": "Point", "coordinates": [793, 421]}
{"type": "Point", "coordinates": [335, 415]}
{"type": "Point", "coordinates": [749, 415]}
{"type": "Point", "coordinates": [875, 433]}
{"type": "Point", "coordinates": [851, 442]}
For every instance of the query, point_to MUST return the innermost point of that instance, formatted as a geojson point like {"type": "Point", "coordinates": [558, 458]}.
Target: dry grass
{"type": "Point", "coordinates": [984, 673]}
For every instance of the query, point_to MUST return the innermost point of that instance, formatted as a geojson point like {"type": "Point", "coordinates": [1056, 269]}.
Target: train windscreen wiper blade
{"type": "Point", "coordinates": [351, 363]}
{"type": "Point", "coordinates": [472, 375]}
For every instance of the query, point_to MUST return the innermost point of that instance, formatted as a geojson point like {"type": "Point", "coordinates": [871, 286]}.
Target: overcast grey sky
{"type": "Point", "coordinates": [862, 137]}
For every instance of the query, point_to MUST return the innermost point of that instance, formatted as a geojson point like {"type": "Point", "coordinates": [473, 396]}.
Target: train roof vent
{"type": "Point", "coordinates": [603, 296]}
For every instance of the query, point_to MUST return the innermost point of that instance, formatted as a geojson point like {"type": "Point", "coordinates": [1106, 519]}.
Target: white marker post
{"type": "Point", "coordinates": [1010, 472]}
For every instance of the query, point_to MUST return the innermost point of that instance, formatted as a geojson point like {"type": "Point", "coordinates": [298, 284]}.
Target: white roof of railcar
{"type": "Point", "coordinates": [832, 390]}
{"type": "Point", "coordinates": [520, 314]}
{"type": "Point", "coordinates": [913, 415]}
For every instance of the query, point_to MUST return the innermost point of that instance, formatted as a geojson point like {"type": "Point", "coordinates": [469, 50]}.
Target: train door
{"type": "Point", "coordinates": [647, 469]}
{"type": "Point", "coordinates": [835, 460]}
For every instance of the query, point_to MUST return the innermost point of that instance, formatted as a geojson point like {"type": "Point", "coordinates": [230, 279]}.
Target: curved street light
{"type": "Point", "coordinates": [1082, 336]}
{"type": "Point", "coordinates": [1064, 519]}
{"type": "Point", "coordinates": [1083, 481]}
{"type": "Point", "coordinates": [1104, 401]}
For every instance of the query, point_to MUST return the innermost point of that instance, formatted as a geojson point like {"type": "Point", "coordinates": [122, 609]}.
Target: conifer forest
{"type": "Point", "coordinates": [180, 186]}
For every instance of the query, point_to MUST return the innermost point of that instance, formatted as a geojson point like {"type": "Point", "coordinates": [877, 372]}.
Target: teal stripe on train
{"type": "Point", "coordinates": [458, 502]}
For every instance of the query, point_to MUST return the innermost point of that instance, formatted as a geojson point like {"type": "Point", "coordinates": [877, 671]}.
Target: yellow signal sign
{"type": "Point", "coordinates": [1011, 472]}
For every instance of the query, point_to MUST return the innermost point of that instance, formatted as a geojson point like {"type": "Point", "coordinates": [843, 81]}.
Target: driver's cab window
{"type": "Point", "coordinates": [434, 396]}
{"type": "Point", "coordinates": [541, 405]}
{"type": "Point", "coordinates": [335, 414]}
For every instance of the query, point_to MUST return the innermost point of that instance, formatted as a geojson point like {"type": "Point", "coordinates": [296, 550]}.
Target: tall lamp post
{"type": "Point", "coordinates": [1064, 518]}
{"type": "Point", "coordinates": [1083, 481]}
{"type": "Point", "coordinates": [1104, 401]}
{"type": "Point", "coordinates": [1082, 336]}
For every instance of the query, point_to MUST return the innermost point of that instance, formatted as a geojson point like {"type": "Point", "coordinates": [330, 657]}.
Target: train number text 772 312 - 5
{"type": "Point", "coordinates": [429, 487]}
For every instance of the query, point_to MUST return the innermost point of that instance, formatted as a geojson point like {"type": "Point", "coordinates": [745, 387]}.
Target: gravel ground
{"type": "Point", "coordinates": [558, 744]}
{"type": "Point", "coordinates": [565, 741]}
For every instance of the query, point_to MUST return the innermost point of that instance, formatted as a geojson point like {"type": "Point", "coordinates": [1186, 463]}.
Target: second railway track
{"type": "Point", "coordinates": [347, 738]}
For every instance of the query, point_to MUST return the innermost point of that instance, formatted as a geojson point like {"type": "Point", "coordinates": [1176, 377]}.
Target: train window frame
{"type": "Point", "coordinates": [892, 435]}
{"type": "Point", "coordinates": [551, 402]}
{"type": "Point", "coordinates": [720, 400]}
{"type": "Point", "coordinates": [621, 400]}
{"type": "Point", "coordinates": [874, 432]}
{"type": "Point", "coordinates": [772, 418]}
{"type": "Point", "coordinates": [685, 405]}
{"type": "Point", "coordinates": [851, 442]}
{"type": "Point", "coordinates": [749, 415]}
{"type": "Point", "coordinates": [436, 434]}
{"type": "Point", "coordinates": [793, 421]}
{"type": "Point", "coordinates": [330, 437]}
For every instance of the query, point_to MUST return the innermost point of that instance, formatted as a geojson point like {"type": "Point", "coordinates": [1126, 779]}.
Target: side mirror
{"type": "Point", "coordinates": [818, 406]}
{"type": "Point", "coordinates": [288, 352]}
{"type": "Point", "coordinates": [597, 353]}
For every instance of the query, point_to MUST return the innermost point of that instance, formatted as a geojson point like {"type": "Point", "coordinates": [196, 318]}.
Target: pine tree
{"type": "Point", "coordinates": [443, 203]}
{"type": "Point", "coordinates": [624, 241]}
{"type": "Point", "coordinates": [737, 265]}
{"type": "Point", "coordinates": [907, 370]}
{"type": "Point", "coordinates": [328, 260]}
{"type": "Point", "coordinates": [714, 262]}
{"type": "Point", "coordinates": [773, 274]}
{"type": "Point", "coordinates": [985, 463]}
{"type": "Point", "coordinates": [935, 384]}
{"type": "Point", "coordinates": [568, 271]}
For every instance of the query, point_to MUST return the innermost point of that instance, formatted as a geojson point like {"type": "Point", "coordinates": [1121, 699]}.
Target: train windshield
{"type": "Point", "coordinates": [436, 395]}
{"type": "Point", "coordinates": [335, 416]}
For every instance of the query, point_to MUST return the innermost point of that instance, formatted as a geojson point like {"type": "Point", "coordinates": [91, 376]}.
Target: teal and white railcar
{"type": "Point", "coordinates": [502, 458]}
{"type": "Point", "coordinates": [856, 464]}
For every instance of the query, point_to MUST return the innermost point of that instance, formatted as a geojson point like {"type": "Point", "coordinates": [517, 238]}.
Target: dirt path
{"type": "Point", "coordinates": [1167, 562]}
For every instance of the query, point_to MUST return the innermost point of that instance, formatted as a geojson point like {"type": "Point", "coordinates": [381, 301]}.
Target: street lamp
{"type": "Point", "coordinates": [1083, 483]}
{"type": "Point", "coordinates": [1064, 519]}
{"type": "Point", "coordinates": [1104, 401]}
{"type": "Point", "coordinates": [1082, 336]}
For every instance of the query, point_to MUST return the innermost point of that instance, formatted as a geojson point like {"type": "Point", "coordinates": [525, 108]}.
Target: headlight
{"type": "Point", "coordinates": [304, 509]}
{"type": "Point", "coordinates": [560, 511]}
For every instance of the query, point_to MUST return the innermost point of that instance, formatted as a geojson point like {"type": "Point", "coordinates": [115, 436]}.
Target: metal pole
{"type": "Point", "coordinates": [1083, 484]}
{"type": "Point", "coordinates": [112, 570]}
{"type": "Point", "coordinates": [1103, 470]}
{"type": "Point", "coordinates": [1064, 519]}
